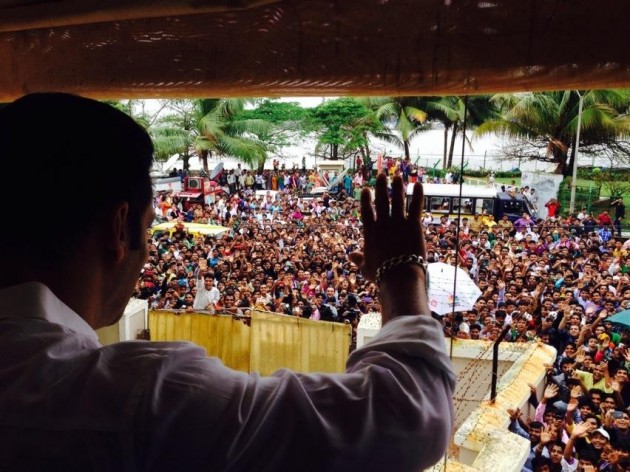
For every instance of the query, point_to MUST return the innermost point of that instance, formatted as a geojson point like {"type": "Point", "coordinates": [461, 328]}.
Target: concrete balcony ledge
{"type": "Point", "coordinates": [482, 441]}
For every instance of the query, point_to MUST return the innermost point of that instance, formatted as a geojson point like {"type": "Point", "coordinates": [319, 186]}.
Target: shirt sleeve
{"type": "Point", "coordinates": [214, 295]}
{"type": "Point", "coordinates": [201, 296]}
{"type": "Point", "coordinates": [391, 409]}
{"type": "Point", "coordinates": [569, 466]}
{"type": "Point", "coordinates": [516, 428]}
{"type": "Point", "coordinates": [540, 412]}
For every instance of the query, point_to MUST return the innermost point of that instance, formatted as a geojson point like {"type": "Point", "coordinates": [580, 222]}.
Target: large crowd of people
{"type": "Point", "coordinates": [554, 280]}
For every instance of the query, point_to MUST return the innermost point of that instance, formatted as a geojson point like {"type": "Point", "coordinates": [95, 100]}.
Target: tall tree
{"type": "Point", "coordinates": [285, 123]}
{"type": "Point", "coordinates": [450, 111]}
{"type": "Point", "coordinates": [405, 114]}
{"type": "Point", "coordinates": [547, 121]}
{"type": "Point", "coordinates": [343, 125]}
{"type": "Point", "coordinates": [222, 133]}
{"type": "Point", "coordinates": [173, 129]}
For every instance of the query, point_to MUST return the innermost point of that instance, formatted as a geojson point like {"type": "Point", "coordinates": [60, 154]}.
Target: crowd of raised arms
{"type": "Point", "coordinates": [555, 280]}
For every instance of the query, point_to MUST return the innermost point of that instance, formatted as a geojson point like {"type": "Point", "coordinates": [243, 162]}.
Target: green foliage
{"type": "Point", "coordinates": [451, 111]}
{"type": "Point", "coordinates": [545, 123]}
{"type": "Point", "coordinates": [616, 183]}
{"type": "Point", "coordinates": [119, 105]}
{"type": "Point", "coordinates": [406, 114]}
{"type": "Point", "coordinates": [587, 172]}
{"type": "Point", "coordinates": [481, 173]}
{"type": "Point", "coordinates": [476, 173]}
{"type": "Point", "coordinates": [127, 107]}
{"type": "Point", "coordinates": [435, 172]}
{"type": "Point", "coordinates": [595, 173]}
{"type": "Point", "coordinates": [283, 122]}
{"type": "Point", "coordinates": [169, 140]}
{"type": "Point", "coordinates": [222, 132]}
{"type": "Point", "coordinates": [175, 131]}
{"type": "Point", "coordinates": [343, 124]}
{"type": "Point", "coordinates": [274, 111]}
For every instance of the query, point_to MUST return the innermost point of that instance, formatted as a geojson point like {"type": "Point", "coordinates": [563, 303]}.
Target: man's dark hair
{"type": "Point", "coordinates": [606, 396]}
{"type": "Point", "coordinates": [82, 156]}
{"type": "Point", "coordinates": [593, 417]}
{"type": "Point", "coordinates": [586, 401]}
{"type": "Point", "coordinates": [557, 442]}
{"type": "Point", "coordinates": [540, 461]}
{"type": "Point", "coordinates": [589, 455]}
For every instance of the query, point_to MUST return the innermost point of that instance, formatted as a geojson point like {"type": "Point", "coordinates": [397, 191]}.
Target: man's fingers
{"type": "Point", "coordinates": [415, 207]}
{"type": "Point", "coordinates": [367, 213]}
{"type": "Point", "coordinates": [398, 199]}
{"type": "Point", "coordinates": [381, 200]}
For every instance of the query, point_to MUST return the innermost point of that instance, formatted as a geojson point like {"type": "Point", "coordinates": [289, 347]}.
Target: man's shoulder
{"type": "Point", "coordinates": [151, 352]}
{"type": "Point", "coordinates": [73, 363]}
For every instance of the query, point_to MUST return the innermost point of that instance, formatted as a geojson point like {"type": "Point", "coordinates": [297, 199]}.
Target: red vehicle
{"type": "Point", "coordinates": [196, 189]}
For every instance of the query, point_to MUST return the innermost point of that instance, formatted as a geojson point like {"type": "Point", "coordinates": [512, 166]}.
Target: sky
{"type": "Point", "coordinates": [305, 102]}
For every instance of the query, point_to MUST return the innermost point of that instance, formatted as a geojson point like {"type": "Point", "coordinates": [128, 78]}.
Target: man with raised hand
{"type": "Point", "coordinates": [72, 404]}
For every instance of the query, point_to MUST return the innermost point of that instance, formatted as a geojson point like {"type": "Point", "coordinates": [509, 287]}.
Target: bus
{"type": "Point", "coordinates": [445, 200]}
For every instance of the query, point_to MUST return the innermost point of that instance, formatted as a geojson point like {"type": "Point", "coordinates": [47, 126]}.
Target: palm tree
{"type": "Point", "coordinates": [222, 133]}
{"type": "Point", "coordinates": [450, 112]}
{"type": "Point", "coordinates": [170, 138]}
{"type": "Point", "coordinates": [548, 120]}
{"type": "Point", "coordinates": [175, 131]}
{"type": "Point", "coordinates": [407, 115]}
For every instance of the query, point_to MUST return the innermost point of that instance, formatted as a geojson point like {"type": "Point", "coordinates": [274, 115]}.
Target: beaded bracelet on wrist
{"type": "Point", "coordinates": [403, 259]}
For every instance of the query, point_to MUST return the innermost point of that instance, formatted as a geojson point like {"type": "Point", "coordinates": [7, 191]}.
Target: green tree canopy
{"type": "Point", "coordinates": [285, 123]}
{"type": "Point", "coordinates": [407, 115]}
{"type": "Point", "coordinates": [547, 122]}
{"type": "Point", "coordinates": [450, 111]}
{"type": "Point", "coordinates": [222, 132]}
{"type": "Point", "coordinates": [343, 125]}
{"type": "Point", "coordinates": [174, 129]}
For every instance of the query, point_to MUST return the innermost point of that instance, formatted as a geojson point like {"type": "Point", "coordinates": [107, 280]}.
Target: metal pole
{"type": "Point", "coordinates": [495, 363]}
{"type": "Point", "coordinates": [577, 153]}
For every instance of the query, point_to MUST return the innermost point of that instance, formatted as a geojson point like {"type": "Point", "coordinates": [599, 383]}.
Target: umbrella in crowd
{"type": "Point", "coordinates": [620, 319]}
{"type": "Point", "coordinates": [216, 171]}
{"type": "Point", "coordinates": [442, 299]}
{"type": "Point", "coordinates": [192, 228]}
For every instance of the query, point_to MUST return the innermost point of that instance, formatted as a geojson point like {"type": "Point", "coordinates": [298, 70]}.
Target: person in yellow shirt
{"type": "Point", "coordinates": [505, 223]}
{"type": "Point", "coordinates": [476, 225]}
{"type": "Point", "coordinates": [596, 379]}
{"type": "Point", "coordinates": [488, 220]}
{"type": "Point", "coordinates": [619, 250]}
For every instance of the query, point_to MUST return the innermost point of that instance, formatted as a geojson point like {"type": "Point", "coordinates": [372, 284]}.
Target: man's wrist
{"type": "Point", "coordinates": [404, 292]}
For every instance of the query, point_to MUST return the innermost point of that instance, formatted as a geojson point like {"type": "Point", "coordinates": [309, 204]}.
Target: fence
{"type": "Point", "coordinates": [585, 197]}
{"type": "Point", "coordinates": [271, 342]}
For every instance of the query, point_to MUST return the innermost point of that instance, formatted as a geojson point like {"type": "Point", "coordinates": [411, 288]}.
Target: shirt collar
{"type": "Point", "coordinates": [36, 300]}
